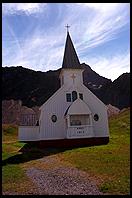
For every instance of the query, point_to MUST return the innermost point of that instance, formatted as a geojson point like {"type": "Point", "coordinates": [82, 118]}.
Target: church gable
{"type": "Point", "coordinates": [78, 107]}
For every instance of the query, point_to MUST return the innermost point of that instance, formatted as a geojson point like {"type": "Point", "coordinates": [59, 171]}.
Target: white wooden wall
{"type": "Point", "coordinates": [67, 79]}
{"type": "Point", "coordinates": [57, 105]}
{"type": "Point", "coordinates": [80, 132]}
{"type": "Point", "coordinates": [101, 128]}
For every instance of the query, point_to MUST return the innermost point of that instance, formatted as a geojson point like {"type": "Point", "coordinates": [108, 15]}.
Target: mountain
{"type": "Point", "coordinates": [92, 79]}
{"type": "Point", "coordinates": [33, 88]}
{"type": "Point", "coordinates": [117, 93]}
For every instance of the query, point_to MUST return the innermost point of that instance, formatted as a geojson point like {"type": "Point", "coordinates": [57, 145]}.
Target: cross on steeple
{"type": "Point", "coordinates": [73, 77]}
{"type": "Point", "coordinates": [67, 26]}
{"type": "Point", "coordinates": [70, 58]}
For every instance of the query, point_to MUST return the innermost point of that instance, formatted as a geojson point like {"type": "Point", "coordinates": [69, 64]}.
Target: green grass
{"type": "Point", "coordinates": [109, 163]}
{"type": "Point", "coordinates": [13, 176]}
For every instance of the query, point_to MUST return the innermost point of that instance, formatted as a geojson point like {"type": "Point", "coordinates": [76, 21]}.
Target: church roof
{"type": "Point", "coordinates": [78, 107]}
{"type": "Point", "coordinates": [70, 59]}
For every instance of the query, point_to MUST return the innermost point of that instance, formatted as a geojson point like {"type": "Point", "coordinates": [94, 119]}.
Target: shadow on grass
{"type": "Point", "coordinates": [31, 152]}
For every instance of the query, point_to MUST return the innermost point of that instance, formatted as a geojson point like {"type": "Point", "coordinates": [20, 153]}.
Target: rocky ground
{"type": "Point", "coordinates": [12, 110]}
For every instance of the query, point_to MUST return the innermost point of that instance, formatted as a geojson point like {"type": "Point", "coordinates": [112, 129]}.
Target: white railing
{"type": "Point", "coordinates": [80, 131]}
{"type": "Point", "coordinates": [28, 120]}
{"type": "Point", "coordinates": [28, 133]}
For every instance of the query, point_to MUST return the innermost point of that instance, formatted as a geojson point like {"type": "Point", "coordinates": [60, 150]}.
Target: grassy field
{"type": "Point", "coordinates": [13, 176]}
{"type": "Point", "coordinates": [108, 164]}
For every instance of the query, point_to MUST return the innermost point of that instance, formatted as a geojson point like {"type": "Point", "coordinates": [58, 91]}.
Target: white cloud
{"type": "Point", "coordinates": [93, 24]}
{"type": "Point", "coordinates": [45, 52]}
{"type": "Point", "coordinates": [27, 8]}
{"type": "Point", "coordinates": [41, 51]}
{"type": "Point", "coordinates": [112, 66]}
{"type": "Point", "coordinates": [101, 7]}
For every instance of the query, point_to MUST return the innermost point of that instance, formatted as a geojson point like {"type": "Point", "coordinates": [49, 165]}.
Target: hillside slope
{"type": "Point", "coordinates": [33, 88]}
{"type": "Point", "coordinates": [117, 93]}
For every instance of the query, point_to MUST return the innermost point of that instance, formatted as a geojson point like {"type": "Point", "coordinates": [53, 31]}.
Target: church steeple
{"type": "Point", "coordinates": [71, 72]}
{"type": "Point", "coordinates": [70, 59]}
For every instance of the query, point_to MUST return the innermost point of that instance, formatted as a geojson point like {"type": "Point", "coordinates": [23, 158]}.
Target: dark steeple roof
{"type": "Point", "coordinates": [70, 59]}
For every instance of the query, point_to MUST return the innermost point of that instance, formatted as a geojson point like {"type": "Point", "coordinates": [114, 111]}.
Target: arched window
{"type": "Point", "coordinates": [74, 96]}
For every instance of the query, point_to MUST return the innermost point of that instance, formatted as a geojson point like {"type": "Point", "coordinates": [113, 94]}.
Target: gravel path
{"type": "Point", "coordinates": [62, 180]}
{"type": "Point", "coordinates": [52, 177]}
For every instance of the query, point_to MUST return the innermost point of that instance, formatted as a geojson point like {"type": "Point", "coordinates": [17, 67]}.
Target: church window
{"type": "Point", "coordinates": [74, 96]}
{"type": "Point", "coordinates": [96, 117]}
{"type": "Point", "coordinates": [68, 97]}
{"type": "Point", "coordinates": [81, 96]}
{"type": "Point", "coordinates": [77, 120]}
{"type": "Point", "coordinates": [54, 118]}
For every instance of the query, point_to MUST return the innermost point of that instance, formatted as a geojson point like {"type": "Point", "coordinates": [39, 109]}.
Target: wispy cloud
{"type": "Point", "coordinates": [92, 25]}
{"type": "Point", "coordinates": [26, 8]}
{"type": "Point", "coordinates": [40, 51]}
{"type": "Point", "coordinates": [101, 7]}
{"type": "Point", "coordinates": [104, 22]}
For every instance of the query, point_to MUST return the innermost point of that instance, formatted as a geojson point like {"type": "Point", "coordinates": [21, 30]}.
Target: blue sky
{"type": "Point", "coordinates": [34, 35]}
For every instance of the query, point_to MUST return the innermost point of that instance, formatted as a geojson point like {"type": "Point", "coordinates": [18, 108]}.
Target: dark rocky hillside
{"type": "Point", "coordinates": [117, 92]}
{"type": "Point", "coordinates": [33, 88]}
{"type": "Point", "coordinates": [92, 79]}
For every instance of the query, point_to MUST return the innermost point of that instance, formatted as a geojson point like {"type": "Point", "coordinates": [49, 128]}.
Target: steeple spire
{"type": "Point", "coordinates": [67, 26]}
{"type": "Point", "coordinates": [70, 59]}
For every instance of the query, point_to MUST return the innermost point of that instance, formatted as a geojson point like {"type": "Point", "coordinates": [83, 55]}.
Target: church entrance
{"type": "Point", "coordinates": [79, 126]}
{"type": "Point", "coordinates": [79, 120]}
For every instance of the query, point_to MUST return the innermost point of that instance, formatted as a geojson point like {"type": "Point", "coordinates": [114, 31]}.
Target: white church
{"type": "Point", "coordinates": [73, 115]}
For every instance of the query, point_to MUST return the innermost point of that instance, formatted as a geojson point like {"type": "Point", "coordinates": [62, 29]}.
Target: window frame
{"type": "Point", "coordinates": [74, 96]}
{"type": "Point", "coordinates": [68, 97]}
{"type": "Point", "coordinates": [81, 96]}
{"type": "Point", "coordinates": [79, 119]}
{"type": "Point", "coordinates": [54, 118]}
{"type": "Point", "coordinates": [96, 117]}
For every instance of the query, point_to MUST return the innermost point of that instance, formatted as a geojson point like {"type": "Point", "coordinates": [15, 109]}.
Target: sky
{"type": "Point", "coordinates": [34, 35]}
